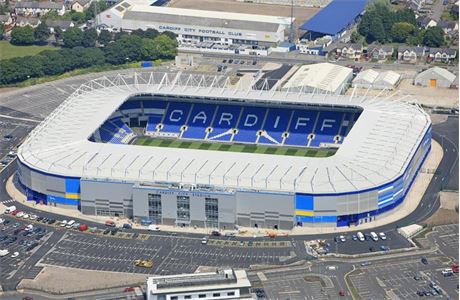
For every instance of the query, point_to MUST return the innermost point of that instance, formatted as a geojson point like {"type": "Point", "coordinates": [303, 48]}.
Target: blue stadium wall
{"type": "Point", "coordinates": [250, 207]}
{"type": "Point", "coordinates": [362, 206]}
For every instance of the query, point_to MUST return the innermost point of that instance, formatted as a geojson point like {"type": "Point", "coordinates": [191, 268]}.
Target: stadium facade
{"type": "Point", "coordinates": [82, 155]}
{"type": "Point", "coordinates": [197, 26]}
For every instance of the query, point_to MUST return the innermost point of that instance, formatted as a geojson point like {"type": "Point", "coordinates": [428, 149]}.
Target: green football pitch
{"type": "Point", "coordinates": [216, 146]}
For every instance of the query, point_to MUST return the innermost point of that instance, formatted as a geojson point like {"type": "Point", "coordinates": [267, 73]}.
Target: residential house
{"type": "Point", "coordinates": [426, 22]}
{"type": "Point", "coordinates": [416, 5]}
{"type": "Point", "coordinates": [444, 55]}
{"type": "Point", "coordinates": [38, 8]}
{"type": "Point", "coordinates": [316, 47]}
{"type": "Point", "coordinates": [379, 52]}
{"type": "Point", "coordinates": [80, 5]}
{"type": "Point", "coordinates": [448, 26]}
{"type": "Point", "coordinates": [351, 51]}
{"type": "Point", "coordinates": [411, 54]}
{"type": "Point", "coordinates": [21, 21]}
{"type": "Point", "coordinates": [62, 24]}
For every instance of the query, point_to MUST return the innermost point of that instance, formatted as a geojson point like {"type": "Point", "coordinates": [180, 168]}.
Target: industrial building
{"type": "Point", "coordinates": [435, 77]}
{"type": "Point", "coordinates": [334, 19]}
{"type": "Point", "coordinates": [82, 155]}
{"type": "Point", "coordinates": [320, 78]}
{"type": "Point", "coordinates": [370, 79]}
{"type": "Point", "coordinates": [197, 26]}
{"type": "Point", "coordinates": [219, 285]}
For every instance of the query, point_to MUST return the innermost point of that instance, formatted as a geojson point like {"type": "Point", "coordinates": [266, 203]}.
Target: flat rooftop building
{"type": "Point", "coordinates": [222, 284]}
{"type": "Point", "coordinates": [193, 26]}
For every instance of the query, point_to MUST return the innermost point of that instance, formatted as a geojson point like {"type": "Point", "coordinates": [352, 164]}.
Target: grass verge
{"type": "Point", "coordinates": [11, 51]}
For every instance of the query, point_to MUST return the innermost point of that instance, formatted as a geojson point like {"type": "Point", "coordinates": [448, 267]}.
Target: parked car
{"type": "Point", "coordinates": [153, 228]}
{"type": "Point", "coordinates": [83, 227]}
{"type": "Point", "coordinates": [127, 226]}
{"type": "Point", "coordinates": [424, 260]}
{"type": "Point", "coordinates": [15, 254]}
{"type": "Point", "coordinates": [382, 236]}
{"type": "Point", "coordinates": [110, 223]}
{"type": "Point", "coordinates": [215, 233]}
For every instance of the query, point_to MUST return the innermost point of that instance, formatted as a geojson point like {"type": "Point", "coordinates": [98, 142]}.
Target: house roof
{"type": "Point", "coordinates": [424, 21]}
{"type": "Point", "coordinates": [418, 50]}
{"type": "Point", "coordinates": [385, 48]}
{"type": "Point", "coordinates": [81, 2]}
{"type": "Point", "coordinates": [335, 17]}
{"type": "Point", "coordinates": [39, 5]}
{"type": "Point", "coordinates": [354, 46]}
{"type": "Point", "coordinates": [63, 24]}
{"type": "Point", "coordinates": [448, 51]}
{"type": "Point", "coordinates": [28, 20]}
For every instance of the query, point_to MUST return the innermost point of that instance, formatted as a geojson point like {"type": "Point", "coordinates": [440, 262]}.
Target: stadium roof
{"type": "Point", "coordinates": [324, 76]}
{"type": "Point", "coordinates": [141, 10]}
{"type": "Point", "coordinates": [335, 17]}
{"type": "Point", "coordinates": [378, 148]}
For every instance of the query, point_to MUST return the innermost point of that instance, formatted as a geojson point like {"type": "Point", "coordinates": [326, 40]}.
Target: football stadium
{"type": "Point", "coordinates": [194, 150]}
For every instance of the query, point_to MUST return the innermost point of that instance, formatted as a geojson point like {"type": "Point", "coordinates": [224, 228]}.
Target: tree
{"type": "Point", "coordinates": [127, 49]}
{"type": "Point", "coordinates": [42, 32]}
{"type": "Point", "coordinates": [149, 49]}
{"type": "Point", "coordinates": [433, 37]}
{"type": "Point", "coordinates": [22, 35]}
{"type": "Point", "coordinates": [78, 17]}
{"type": "Point", "coordinates": [377, 31]}
{"type": "Point", "coordinates": [166, 46]}
{"type": "Point", "coordinates": [139, 32]}
{"type": "Point", "coordinates": [2, 30]}
{"type": "Point", "coordinates": [100, 6]}
{"type": "Point", "coordinates": [120, 34]}
{"type": "Point", "coordinates": [355, 37]}
{"type": "Point", "coordinates": [57, 33]}
{"type": "Point", "coordinates": [151, 33]}
{"type": "Point", "coordinates": [89, 38]}
{"type": "Point", "coordinates": [104, 37]}
{"type": "Point", "coordinates": [53, 62]}
{"type": "Point", "coordinates": [169, 34]}
{"type": "Point", "coordinates": [401, 31]}
{"type": "Point", "coordinates": [73, 37]}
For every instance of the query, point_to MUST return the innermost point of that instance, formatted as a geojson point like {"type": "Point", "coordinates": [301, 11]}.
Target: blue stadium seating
{"type": "Point", "coordinates": [133, 104]}
{"type": "Point", "coordinates": [176, 116]}
{"type": "Point", "coordinates": [276, 124]}
{"type": "Point", "coordinates": [152, 122]}
{"type": "Point", "coordinates": [154, 104]}
{"type": "Point", "coordinates": [200, 118]}
{"type": "Point", "coordinates": [324, 124]}
{"type": "Point", "coordinates": [251, 121]}
{"type": "Point", "coordinates": [226, 118]}
{"type": "Point", "coordinates": [301, 126]}
{"type": "Point", "coordinates": [327, 127]}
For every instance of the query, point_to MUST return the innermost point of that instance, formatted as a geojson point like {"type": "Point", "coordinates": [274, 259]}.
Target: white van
{"type": "Point", "coordinates": [10, 209]}
{"type": "Point", "coordinates": [70, 223]}
{"type": "Point", "coordinates": [4, 252]}
{"type": "Point", "coordinates": [374, 236]}
{"type": "Point", "coordinates": [360, 236]}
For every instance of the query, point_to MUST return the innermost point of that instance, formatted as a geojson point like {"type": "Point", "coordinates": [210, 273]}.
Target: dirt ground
{"type": "Point", "coordinates": [447, 213]}
{"type": "Point", "coordinates": [430, 96]}
{"type": "Point", "coordinates": [60, 280]}
{"type": "Point", "coordinates": [301, 14]}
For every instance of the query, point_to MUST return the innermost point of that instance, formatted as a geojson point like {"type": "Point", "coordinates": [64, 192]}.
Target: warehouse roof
{"type": "Point", "coordinates": [388, 77]}
{"type": "Point", "coordinates": [378, 149]}
{"type": "Point", "coordinates": [335, 17]}
{"type": "Point", "coordinates": [439, 71]}
{"type": "Point", "coordinates": [367, 76]}
{"type": "Point", "coordinates": [323, 76]}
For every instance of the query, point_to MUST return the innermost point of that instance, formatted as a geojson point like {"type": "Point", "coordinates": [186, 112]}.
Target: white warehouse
{"type": "Point", "coordinates": [194, 26]}
{"type": "Point", "coordinates": [370, 79]}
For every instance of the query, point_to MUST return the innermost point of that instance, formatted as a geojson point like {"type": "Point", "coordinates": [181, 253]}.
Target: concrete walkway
{"type": "Point", "coordinates": [407, 207]}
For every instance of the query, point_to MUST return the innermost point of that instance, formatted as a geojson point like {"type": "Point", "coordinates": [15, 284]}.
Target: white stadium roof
{"type": "Point", "coordinates": [377, 149]}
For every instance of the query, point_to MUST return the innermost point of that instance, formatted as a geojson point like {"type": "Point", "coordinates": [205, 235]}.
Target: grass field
{"type": "Point", "coordinates": [261, 149]}
{"type": "Point", "coordinates": [9, 51]}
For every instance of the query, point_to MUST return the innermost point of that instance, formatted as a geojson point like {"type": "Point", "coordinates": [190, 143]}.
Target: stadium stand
{"type": "Point", "coordinates": [303, 127]}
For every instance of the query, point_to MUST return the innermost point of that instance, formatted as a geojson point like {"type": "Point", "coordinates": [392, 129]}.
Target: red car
{"type": "Point", "coordinates": [15, 212]}
{"type": "Point", "coordinates": [110, 223]}
{"type": "Point", "coordinates": [455, 268]}
{"type": "Point", "coordinates": [341, 293]}
{"type": "Point", "coordinates": [83, 227]}
{"type": "Point", "coordinates": [129, 289]}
